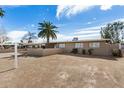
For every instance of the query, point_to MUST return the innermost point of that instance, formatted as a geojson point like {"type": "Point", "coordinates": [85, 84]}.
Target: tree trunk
{"type": "Point", "coordinates": [47, 45]}
{"type": "Point", "coordinates": [48, 40]}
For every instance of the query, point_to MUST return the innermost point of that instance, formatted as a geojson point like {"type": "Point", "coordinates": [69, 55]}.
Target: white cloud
{"type": "Point", "coordinates": [89, 30]}
{"type": "Point", "coordinates": [32, 25]}
{"type": "Point", "coordinates": [82, 34]}
{"type": "Point", "coordinates": [64, 37]}
{"type": "Point", "coordinates": [94, 18]}
{"type": "Point", "coordinates": [40, 40]}
{"type": "Point", "coordinates": [92, 21]}
{"type": "Point", "coordinates": [105, 7]}
{"type": "Point", "coordinates": [69, 10]}
{"type": "Point", "coordinates": [88, 33]}
{"type": "Point", "coordinates": [85, 33]}
{"type": "Point", "coordinates": [111, 21]}
{"type": "Point", "coordinates": [60, 25]}
{"type": "Point", "coordinates": [89, 36]}
{"type": "Point", "coordinates": [89, 23]}
{"type": "Point", "coordinates": [119, 19]}
{"type": "Point", "coordinates": [16, 35]}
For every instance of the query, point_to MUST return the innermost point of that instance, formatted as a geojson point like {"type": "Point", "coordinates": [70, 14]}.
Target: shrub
{"type": "Point", "coordinates": [117, 52]}
{"type": "Point", "coordinates": [83, 51]}
{"type": "Point", "coordinates": [120, 53]}
{"type": "Point", "coordinates": [6, 46]}
{"type": "Point", "coordinates": [43, 47]}
{"type": "Point", "coordinates": [75, 51]}
{"type": "Point", "coordinates": [114, 53]}
{"type": "Point", "coordinates": [38, 46]}
{"type": "Point", "coordinates": [33, 46]}
{"type": "Point", "coordinates": [90, 51]}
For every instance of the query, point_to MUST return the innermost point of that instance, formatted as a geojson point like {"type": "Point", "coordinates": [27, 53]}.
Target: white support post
{"type": "Point", "coordinates": [120, 45]}
{"type": "Point", "coordinates": [16, 57]}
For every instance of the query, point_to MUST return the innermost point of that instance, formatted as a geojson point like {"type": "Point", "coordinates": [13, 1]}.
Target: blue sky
{"type": "Point", "coordinates": [83, 22]}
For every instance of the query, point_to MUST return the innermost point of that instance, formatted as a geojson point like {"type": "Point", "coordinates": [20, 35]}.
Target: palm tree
{"type": "Point", "coordinates": [1, 12]}
{"type": "Point", "coordinates": [47, 30]}
{"type": "Point", "coordinates": [1, 15]}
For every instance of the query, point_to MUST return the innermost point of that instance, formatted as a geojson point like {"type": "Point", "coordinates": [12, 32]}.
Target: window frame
{"type": "Point", "coordinates": [94, 45]}
{"type": "Point", "coordinates": [79, 45]}
{"type": "Point", "coordinates": [62, 45]}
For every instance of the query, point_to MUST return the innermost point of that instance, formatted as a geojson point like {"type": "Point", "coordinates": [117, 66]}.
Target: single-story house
{"type": "Point", "coordinates": [99, 46]}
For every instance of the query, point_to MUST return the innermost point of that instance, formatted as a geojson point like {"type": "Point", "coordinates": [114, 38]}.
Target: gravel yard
{"type": "Point", "coordinates": [62, 70]}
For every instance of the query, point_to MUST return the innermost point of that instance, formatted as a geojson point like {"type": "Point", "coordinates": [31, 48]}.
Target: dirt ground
{"type": "Point", "coordinates": [62, 70]}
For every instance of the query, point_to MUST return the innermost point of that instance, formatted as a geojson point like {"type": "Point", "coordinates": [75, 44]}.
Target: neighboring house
{"type": "Point", "coordinates": [27, 41]}
{"type": "Point", "coordinates": [100, 47]}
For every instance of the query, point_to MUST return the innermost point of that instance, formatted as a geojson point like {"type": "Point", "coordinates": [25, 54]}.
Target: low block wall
{"type": "Point", "coordinates": [10, 50]}
{"type": "Point", "coordinates": [6, 50]}
{"type": "Point", "coordinates": [44, 52]}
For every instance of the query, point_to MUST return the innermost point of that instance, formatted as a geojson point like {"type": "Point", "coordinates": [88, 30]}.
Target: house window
{"type": "Point", "coordinates": [55, 46]}
{"type": "Point", "coordinates": [94, 45]}
{"type": "Point", "coordinates": [78, 45]}
{"type": "Point", "coordinates": [61, 45]}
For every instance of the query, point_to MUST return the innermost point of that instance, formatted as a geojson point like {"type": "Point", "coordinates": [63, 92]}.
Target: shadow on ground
{"type": "Point", "coordinates": [7, 70]}
{"type": "Point", "coordinates": [92, 56]}
{"type": "Point", "coordinates": [78, 55]}
{"type": "Point", "coordinates": [70, 54]}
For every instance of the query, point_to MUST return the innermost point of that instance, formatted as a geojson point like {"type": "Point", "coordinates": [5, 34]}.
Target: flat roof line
{"type": "Point", "coordinates": [100, 40]}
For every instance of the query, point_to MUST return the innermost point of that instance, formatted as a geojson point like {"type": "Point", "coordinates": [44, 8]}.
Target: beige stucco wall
{"type": "Point", "coordinates": [68, 47]}
{"type": "Point", "coordinates": [104, 49]}
{"type": "Point", "coordinates": [44, 52]}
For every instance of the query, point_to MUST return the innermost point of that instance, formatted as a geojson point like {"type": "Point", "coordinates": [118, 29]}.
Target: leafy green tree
{"type": "Point", "coordinates": [47, 30]}
{"type": "Point", "coordinates": [1, 12]}
{"type": "Point", "coordinates": [113, 31]}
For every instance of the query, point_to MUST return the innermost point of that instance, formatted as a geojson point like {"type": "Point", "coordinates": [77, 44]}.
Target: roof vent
{"type": "Point", "coordinates": [75, 39]}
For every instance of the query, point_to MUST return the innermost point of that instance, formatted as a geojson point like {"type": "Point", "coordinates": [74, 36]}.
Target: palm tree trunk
{"type": "Point", "coordinates": [48, 40]}
{"type": "Point", "coordinates": [47, 45]}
